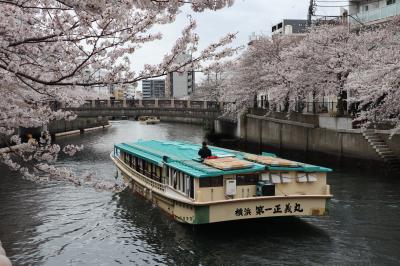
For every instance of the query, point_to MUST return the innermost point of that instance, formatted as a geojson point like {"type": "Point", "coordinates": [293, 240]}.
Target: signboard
{"type": "Point", "coordinates": [259, 210]}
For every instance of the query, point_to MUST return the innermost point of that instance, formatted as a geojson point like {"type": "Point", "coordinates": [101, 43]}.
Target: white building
{"type": "Point", "coordinates": [180, 85]}
{"type": "Point", "coordinates": [369, 12]}
{"type": "Point", "coordinates": [153, 88]}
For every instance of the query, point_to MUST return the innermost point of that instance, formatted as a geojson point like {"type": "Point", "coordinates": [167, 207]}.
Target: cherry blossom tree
{"type": "Point", "coordinates": [317, 66]}
{"type": "Point", "coordinates": [375, 83]}
{"type": "Point", "coordinates": [214, 76]}
{"type": "Point", "coordinates": [51, 50]}
{"type": "Point", "coordinates": [360, 66]}
{"type": "Point", "coordinates": [259, 68]}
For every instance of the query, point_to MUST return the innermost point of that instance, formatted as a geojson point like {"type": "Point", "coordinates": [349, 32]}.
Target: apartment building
{"type": "Point", "coordinates": [368, 12]}
{"type": "Point", "coordinates": [153, 89]}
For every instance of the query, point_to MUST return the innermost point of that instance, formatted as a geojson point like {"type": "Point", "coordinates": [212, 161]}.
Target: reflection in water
{"type": "Point", "coordinates": [58, 224]}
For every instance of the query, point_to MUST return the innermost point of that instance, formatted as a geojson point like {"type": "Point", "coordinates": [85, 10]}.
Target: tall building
{"type": "Point", "coordinates": [369, 12]}
{"type": "Point", "coordinates": [153, 88]}
{"type": "Point", "coordinates": [180, 84]}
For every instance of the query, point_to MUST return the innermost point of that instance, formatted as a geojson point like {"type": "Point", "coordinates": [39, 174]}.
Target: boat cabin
{"type": "Point", "coordinates": [175, 166]}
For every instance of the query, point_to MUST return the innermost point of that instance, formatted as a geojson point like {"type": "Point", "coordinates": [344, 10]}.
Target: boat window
{"type": "Point", "coordinates": [159, 173]}
{"type": "Point", "coordinates": [306, 177]}
{"type": "Point", "coordinates": [165, 174]}
{"type": "Point", "coordinates": [187, 185]}
{"type": "Point", "coordinates": [170, 176]}
{"type": "Point", "coordinates": [247, 179]}
{"type": "Point", "coordinates": [182, 182]}
{"type": "Point", "coordinates": [133, 161]}
{"type": "Point", "coordinates": [275, 178]}
{"type": "Point", "coordinates": [140, 165]}
{"type": "Point", "coordinates": [156, 173]}
{"type": "Point", "coordinates": [175, 178]}
{"type": "Point", "coordinates": [126, 158]}
{"type": "Point", "coordinates": [147, 168]}
{"type": "Point", "coordinates": [215, 181]}
{"type": "Point", "coordinates": [191, 187]}
{"type": "Point", "coordinates": [130, 160]}
{"type": "Point", "coordinates": [116, 152]}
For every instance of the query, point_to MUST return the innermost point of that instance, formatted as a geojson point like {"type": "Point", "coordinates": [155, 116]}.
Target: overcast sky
{"type": "Point", "coordinates": [245, 16]}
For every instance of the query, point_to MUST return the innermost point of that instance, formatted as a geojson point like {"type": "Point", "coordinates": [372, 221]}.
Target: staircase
{"type": "Point", "coordinates": [383, 150]}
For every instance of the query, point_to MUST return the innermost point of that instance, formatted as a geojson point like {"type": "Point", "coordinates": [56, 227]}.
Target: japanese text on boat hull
{"type": "Point", "coordinates": [267, 208]}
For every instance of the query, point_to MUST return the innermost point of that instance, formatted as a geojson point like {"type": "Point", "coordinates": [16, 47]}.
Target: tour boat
{"type": "Point", "coordinates": [229, 185]}
{"type": "Point", "coordinates": [149, 120]}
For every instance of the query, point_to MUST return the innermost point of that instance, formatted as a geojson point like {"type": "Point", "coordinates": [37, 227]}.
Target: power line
{"type": "Point", "coordinates": [333, 6]}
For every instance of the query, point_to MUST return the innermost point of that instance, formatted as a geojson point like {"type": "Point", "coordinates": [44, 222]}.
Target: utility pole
{"type": "Point", "coordinates": [310, 13]}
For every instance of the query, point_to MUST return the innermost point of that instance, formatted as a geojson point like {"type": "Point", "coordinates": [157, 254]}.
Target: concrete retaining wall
{"type": "Point", "coordinates": [187, 120]}
{"type": "Point", "coordinates": [79, 123]}
{"type": "Point", "coordinates": [286, 135]}
{"type": "Point", "coordinates": [227, 128]}
{"type": "Point", "coordinates": [337, 123]}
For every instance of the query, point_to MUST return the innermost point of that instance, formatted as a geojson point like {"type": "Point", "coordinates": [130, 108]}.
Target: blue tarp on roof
{"type": "Point", "coordinates": [183, 157]}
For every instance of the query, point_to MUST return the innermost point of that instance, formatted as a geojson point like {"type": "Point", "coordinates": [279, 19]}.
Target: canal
{"type": "Point", "coordinates": [59, 224]}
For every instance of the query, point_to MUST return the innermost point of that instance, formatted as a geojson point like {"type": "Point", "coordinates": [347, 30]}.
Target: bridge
{"type": "Point", "coordinates": [166, 109]}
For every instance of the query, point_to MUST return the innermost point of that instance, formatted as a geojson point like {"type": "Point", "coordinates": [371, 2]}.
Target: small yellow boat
{"type": "Point", "coordinates": [231, 185]}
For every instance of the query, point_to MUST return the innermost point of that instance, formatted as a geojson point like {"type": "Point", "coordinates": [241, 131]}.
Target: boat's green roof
{"type": "Point", "coordinates": [183, 157]}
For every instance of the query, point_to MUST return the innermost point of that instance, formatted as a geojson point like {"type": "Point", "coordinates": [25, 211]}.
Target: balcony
{"type": "Point", "coordinates": [376, 15]}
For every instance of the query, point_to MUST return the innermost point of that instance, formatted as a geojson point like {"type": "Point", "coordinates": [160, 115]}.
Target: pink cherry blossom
{"type": "Point", "coordinates": [50, 51]}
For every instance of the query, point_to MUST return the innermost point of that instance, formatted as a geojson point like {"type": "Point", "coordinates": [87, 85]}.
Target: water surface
{"type": "Point", "coordinates": [59, 224]}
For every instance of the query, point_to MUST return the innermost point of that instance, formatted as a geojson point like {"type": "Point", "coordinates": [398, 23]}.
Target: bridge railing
{"type": "Point", "coordinates": [181, 104]}
{"type": "Point", "coordinates": [132, 103]}
{"type": "Point", "coordinates": [87, 104]}
{"type": "Point", "coordinates": [100, 103]}
{"type": "Point", "coordinates": [162, 103]}
{"type": "Point", "coordinates": [145, 103]}
{"type": "Point", "coordinates": [197, 104]}
{"type": "Point", "coordinates": [149, 103]}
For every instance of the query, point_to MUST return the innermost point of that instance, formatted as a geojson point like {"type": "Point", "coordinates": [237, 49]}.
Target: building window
{"type": "Point", "coordinates": [366, 8]}
{"type": "Point", "coordinates": [246, 179]}
{"type": "Point", "coordinates": [216, 181]}
{"type": "Point", "coordinates": [390, 2]}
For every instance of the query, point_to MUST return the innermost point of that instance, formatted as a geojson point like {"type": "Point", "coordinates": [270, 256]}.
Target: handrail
{"type": "Point", "coordinates": [145, 179]}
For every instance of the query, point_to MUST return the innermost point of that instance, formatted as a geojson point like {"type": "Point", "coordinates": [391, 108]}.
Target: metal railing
{"type": "Point", "coordinates": [148, 181]}
{"type": "Point", "coordinates": [263, 106]}
{"type": "Point", "coordinates": [147, 103]}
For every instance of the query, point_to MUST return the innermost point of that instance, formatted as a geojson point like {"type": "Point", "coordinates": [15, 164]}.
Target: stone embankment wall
{"type": "Point", "coordinates": [79, 123]}
{"type": "Point", "coordinates": [305, 135]}
{"type": "Point", "coordinates": [186, 120]}
{"type": "Point", "coordinates": [291, 135]}
{"type": "Point", "coordinates": [61, 126]}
